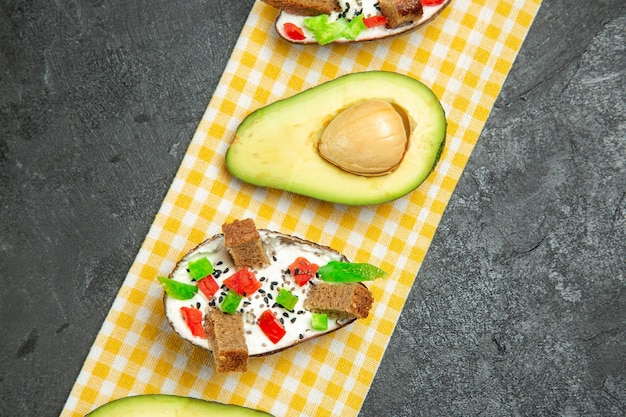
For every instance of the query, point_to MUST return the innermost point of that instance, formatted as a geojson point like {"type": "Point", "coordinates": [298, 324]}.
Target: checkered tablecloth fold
{"type": "Point", "coordinates": [464, 56]}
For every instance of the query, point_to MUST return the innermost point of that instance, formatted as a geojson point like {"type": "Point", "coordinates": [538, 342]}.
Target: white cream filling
{"type": "Point", "coordinates": [281, 252]}
{"type": "Point", "coordinates": [352, 6]}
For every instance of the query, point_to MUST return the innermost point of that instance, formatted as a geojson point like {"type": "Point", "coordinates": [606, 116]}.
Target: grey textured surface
{"type": "Point", "coordinates": [520, 306]}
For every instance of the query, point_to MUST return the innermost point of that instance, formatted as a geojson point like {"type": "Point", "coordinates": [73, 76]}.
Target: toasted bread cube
{"type": "Point", "coordinates": [243, 242]}
{"type": "Point", "coordinates": [227, 341]}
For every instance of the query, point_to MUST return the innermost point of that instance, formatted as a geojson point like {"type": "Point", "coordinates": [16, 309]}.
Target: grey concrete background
{"type": "Point", "coordinates": [520, 306]}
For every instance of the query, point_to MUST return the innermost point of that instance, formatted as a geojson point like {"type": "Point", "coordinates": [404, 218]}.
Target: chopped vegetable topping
{"type": "Point", "coordinates": [231, 302]}
{"type": "Point", "coordinates": [354, 28]}
{"type": "Point", "coordinates": [286, 299]}
{"type": "Point", "coordinates": [431, 2]}
{"type": "Point", "coordinates": [294, 32]}
{"type": "Point", "coordinates": [319, 321]}
{"type": "Point", "coordinates": [376, 20]}
{"type": "Point", "coordinates": [193, 317]}
{"type": "Point", "coordinates": [302, 270]}
{"type": "Point", "coordinates": [336, 271]}
{"type": "Point", "coordinates": [243, 282]}
{"type": "Point", "coordinates": [200, 268]}
{"type": "Point", "coordinates": [325, 31]}
{"type": "Point", "coordinates": [270, 325]}
{"type": "Point", "coordinates": [208, 286]}
{"type": "Point", "coordinates": [178, 290]}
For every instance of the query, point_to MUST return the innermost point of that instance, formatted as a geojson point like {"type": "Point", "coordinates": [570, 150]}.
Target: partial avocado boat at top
{"type": "Point", "coordinates": [360, 139]}
{"type": "Point", "coordinates": [332, 21]}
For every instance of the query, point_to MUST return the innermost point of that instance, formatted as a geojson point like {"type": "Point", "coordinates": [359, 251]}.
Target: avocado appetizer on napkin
{"type": "Point", "coordinates": [331, 21]}
{"type": "Point", "coordinates": [248, 292]}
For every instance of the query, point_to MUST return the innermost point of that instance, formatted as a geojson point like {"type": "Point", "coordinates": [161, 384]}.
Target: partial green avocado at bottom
{"type": "Point", "coordinates": [276, 145]}
{"type": "Point", "coordinates": [163, 405]}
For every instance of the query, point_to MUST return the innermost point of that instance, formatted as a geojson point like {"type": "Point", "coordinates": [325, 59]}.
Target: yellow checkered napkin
{"type": "Point", "coordinates": [464, 56]}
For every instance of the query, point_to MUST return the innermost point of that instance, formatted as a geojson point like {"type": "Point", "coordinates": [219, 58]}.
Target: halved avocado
{"type": "Point", "coordinates": [276, 145]}
{"type": "Point", "coordinates": [163, 405]}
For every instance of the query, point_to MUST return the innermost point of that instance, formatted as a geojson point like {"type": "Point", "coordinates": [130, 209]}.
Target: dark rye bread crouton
{"type": "Point", "coordinates": [243, 242]}
{"type": "Point", "coordinates": [227, 341]}
{"type": "Point", "coordinates": [398, 12]}
{"type": "Point", "coordinates": [339, 300]}
{"type": "Point", "coordinates": [305, 7]}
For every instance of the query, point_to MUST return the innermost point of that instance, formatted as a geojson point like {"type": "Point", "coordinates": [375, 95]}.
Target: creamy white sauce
{"type": "Point", "coordinates": [369, 9]}
{"type": "Point", "coordinates": [281, 253]}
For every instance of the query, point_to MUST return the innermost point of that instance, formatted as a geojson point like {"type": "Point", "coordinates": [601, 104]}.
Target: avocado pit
{"type": "Point", "coordinates": [369, 138]}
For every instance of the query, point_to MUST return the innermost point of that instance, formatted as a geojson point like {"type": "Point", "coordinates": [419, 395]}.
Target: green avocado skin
{"type": "Point", "coordinates": [275, 146]}
{"type": "Point", "coordinates": [163, 405]}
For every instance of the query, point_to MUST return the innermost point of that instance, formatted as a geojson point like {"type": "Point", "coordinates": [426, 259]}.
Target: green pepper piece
{"type": "Point", "coordinates": [335, 271]}
{"type": "Point", "coordinates": [178, 290]}
{"type": "Point", "coordinates": [319, 321]}
{"type": "Point", "coordinates": [323, 30]}
{"type": "Point", "coordinates": [354, 28]}
{"type": "Point", "coordinates": [231, 302]}
{"type": "Point", "coordinates": [286, 299]}
{"type": "Point", "coordinates": [200, 268]}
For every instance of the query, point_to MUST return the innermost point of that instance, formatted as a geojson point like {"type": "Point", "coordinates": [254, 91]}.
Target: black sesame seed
{"type": "Point", "coordinates": [282, 321]}
{"type": "Point", "coordinates": [275, 305]}
{"type": "Point", "coordinates": [226, 270]}
{"type": "Point", "coordinates": [293, 320]}
{"type": "Point", "coordinates": [274, 258]}
{"type": "Point", "coordinates": [269, 295]}
{"type": "Point", "coordinates": [219, 263]}
{"type": "Point", "coordinates": [300, 336]}
{"type": "Point", "coordinates": [221, 298]}
{"type": "Point", "coordinates": [198, 305]}
{"type": "Point", "coordinates": [217, 273]}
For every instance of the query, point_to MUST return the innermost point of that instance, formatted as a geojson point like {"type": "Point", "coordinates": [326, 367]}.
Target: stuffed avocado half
{"type": "Point", "coordinates": [336, 142]}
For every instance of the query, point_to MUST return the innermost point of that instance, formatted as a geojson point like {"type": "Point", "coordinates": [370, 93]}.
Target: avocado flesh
{"type": "Point", "coordinates": [162, 405]}
{"type": "Point", "coordinates": [276, 145]}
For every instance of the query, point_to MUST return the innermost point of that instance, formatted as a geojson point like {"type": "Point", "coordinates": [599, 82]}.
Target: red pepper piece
{"type": "Point", "coordinates": [193, 317]}
{"type": "Point", "coordinates": [270, 325]}
{"type": "Point", "coordinates": [294, 32]}
{"type": "Point", "coordinates": [376, 20]}
{"type": "Point", "coordinates": [243, 282]}
{"type": "Point", "coordinates": [208, 286]}
{"type": "Point", "coordinates": [432, 2]}
{"type": "Point", "coordinates": [302, 270]}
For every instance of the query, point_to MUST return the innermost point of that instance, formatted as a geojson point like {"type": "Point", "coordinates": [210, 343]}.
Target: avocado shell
{"type": "Point", "coordinates": [287, 238]}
